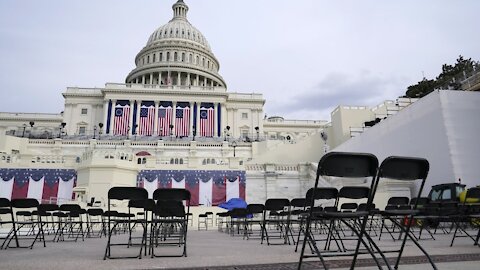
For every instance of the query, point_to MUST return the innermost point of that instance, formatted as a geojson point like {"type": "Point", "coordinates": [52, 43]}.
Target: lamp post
{"type": "Point", "coordinates": [94, 131]}
{"type": "Point", "coordinates": [227, 132]}
{"type": "Point", "coordinates": [234, 145]}
{"type": "Point", "coordinates": [324, 138]}
{"type": "Point", "coordinates": [62, 126]}
{"type": "Point", "coordinates": [24, 127]}
{"type": "Point", "coordinates": [31, 130]}
{"type": "Point", "coordinates": [257, 129]}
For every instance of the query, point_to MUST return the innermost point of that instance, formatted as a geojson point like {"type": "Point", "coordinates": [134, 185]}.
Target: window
{"type": "Point", "coordinates": [160, 57]}
{"type": "Point", "coordinates": [84, 111]}
{"type": "Point", "coordinates": [148, 59]}
{"type": "Point", "coordinates": [175, 56]}
{"type": "Point", "coordinates": [81, 130]}
{"type": "Point", "coordinates": [244, 115]}
{"type": "Point", "coordinates": [245, 133]}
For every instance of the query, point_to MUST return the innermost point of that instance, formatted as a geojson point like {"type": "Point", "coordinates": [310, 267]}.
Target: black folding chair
{"type": "Point", "coordinates": [313, 216]}
{"type": "Point", "coordinates": [95, 224]}
{"type": "Point", "coordinates": [6, 218]}
{"type": "Point", "coordinates": [359, 166]}
{"type": "Point", "coordinates": [30, 227]}
{"type": "Point", "coordinates": [170, 220]}
{"type": "Point", "coordinates": [469, 216]}
{"type": "Point", "coordinates": [254, 220]}
{"type": "Point", "coordinates": [274, 216]}
{"type": "Point", "coordinates": [123, 193]}
{"type": "Point", "coordinates": [405, 169]}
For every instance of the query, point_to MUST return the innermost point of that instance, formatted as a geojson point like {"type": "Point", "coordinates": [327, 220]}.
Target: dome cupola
{"type": "Point", "coordinates": [177, 54]}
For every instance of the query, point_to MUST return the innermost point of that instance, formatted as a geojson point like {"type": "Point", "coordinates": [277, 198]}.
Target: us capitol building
{"type": "Point", "coordinates": [174, 112]}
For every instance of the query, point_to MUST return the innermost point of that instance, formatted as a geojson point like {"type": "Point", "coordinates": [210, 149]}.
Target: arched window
{"type": "Point", "coordinates": [197, 61]}
{"type": "Point", "coordinates": [183, 57]}
{"type": "Point", "coordinates": [204, 162]}
{"type": "Point", "coordinates": [153, 58]}
{"type": "Point", "coordinates": [168, 56]}
{"type": "Point", "coordinates": [181, 161]}
{"type": "Point", "coordinates": [144, 160]}
{"type": "Point", "coordinates": [139, 161]}
{"type": "Point", "coordinates": [175, 56]}
{"type": "Point", "coordinates": [176, 161]}
{"type": "Point", "coordinates": [203, 62]}
{"type": "Point", "coordinates": [213, 161]}
{"type": "Point", "coordinates": [160, 55]}
{"type": "Point", "coordinates": [148, 59]}
{"type": "Point", "coordinates": [190, 58]}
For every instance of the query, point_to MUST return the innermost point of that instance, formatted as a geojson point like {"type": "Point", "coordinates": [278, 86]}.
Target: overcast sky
{"type": "Point", "coordinates": [305, 56]}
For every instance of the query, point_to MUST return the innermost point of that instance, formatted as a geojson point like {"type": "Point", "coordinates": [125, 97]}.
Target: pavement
{"type": "Point", "coordinates": [217, 250]}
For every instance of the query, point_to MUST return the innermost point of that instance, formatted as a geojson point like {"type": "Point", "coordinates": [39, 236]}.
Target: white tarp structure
{"type": "Point", "coordinates": [443, 127]}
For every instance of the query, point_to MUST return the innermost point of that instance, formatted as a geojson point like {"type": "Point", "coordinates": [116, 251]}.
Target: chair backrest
{"type": "Point", "coordinates": [174, 194]}
{"type": "Point", "coordinates": [345, 164]}
{"type": "Point", "coordinates": [398, 201]}
{"type": "Point", "coordinates": [349, 206]}
{"type": "Point", "coordinates": [255, 208]}
{"type": "Point", "coordinates": [24, 203]}
{"type": "Point", "coordinates": [357, 192]}
{"type": "Point", "coordinates": [405, 169]}
{"type": "Point", "coordinates": [48, 207]}
{"type": "Point", "coordinates": [298, 202]}
{"type": "Point", "coordinates": [95, 211]}
{"type": "Point", "coordinates": [276, 204]}
{"type": "Point", "coordinates": [323, 193]}
{"type": "Point", "coordinates": [4, 202]}
{"type": "Point", "coordinates": [239, 213]}
{"type": "Point", "coordinates": [170, 208]}
{"type": "Point", "coordinates": [127, 193]}
{"type": "Point", "coordinates": [422, 201]}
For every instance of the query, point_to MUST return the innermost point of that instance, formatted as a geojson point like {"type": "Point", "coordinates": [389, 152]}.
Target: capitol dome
{"type": "Point", "coordinates": [177, 54]}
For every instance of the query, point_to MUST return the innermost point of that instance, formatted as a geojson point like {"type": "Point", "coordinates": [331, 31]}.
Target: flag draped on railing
{"type": "Point", "coordinates": [122, 118]}
{"type": "Point", "coordinates": [206, 120]}
{"type": "Point", "coordinates": [164, 118]}
{"type": "Point", "coordinates": [206, 187]}
{"type": "Point", "coordinates": [45, 185]}
{"type": "Point", "coordinates": [147, 118]}
{"type": "Point", "coordinates": [182, 120]}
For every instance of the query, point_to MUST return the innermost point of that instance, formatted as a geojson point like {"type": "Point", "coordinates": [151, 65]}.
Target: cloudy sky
{"type": "Point", "coordinates": [305, 56]}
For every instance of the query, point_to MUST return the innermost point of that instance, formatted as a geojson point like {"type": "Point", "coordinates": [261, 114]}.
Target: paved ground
{"type": "Point", "coordinates": [216, 250]}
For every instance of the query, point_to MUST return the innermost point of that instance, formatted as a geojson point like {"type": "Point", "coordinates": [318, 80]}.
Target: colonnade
{"type": "Point", "coordinates": [134, 117]}
{"type": "Point", "coordinates": [176, 78]}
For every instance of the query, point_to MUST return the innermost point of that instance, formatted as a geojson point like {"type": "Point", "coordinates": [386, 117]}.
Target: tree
{"type": "Point", "coordinates": [450, 78]}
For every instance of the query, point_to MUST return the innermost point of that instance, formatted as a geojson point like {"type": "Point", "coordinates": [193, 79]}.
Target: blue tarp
{"type": "Point", "coordinates": [233, 203]}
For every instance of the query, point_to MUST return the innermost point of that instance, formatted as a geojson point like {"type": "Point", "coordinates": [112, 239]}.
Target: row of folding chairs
{"type": "Point", "coordinates": [450, 217]}
{"type": "Point", "coordinates": [365, 169]}
{"type": "Point", "coordinates": [27, 219]}
{"type": "Point", "coordinates": [163, 221]}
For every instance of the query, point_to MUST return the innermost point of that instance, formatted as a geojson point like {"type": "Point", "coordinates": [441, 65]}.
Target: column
{"type": "Point", "coordinates": [155, 121]}
{"type": "Point", "coordinates": [199, 105]}
{"type": "Point", "coordinates": [197, 80]}
{"type": "Point", "coordinates": [130, 117]}
{"type": "Point", "coordinates": [136, 80]}
{"type": "Point", "coordinates": [143, 79]}
{"type": "Point", "coordinates": [105, 115]}
{"type": "Point", "coordinates": [211, 83]}
{"type": "Point", "coordinates": [179, 80]}
{"type": "Point", "coordinates": [151, 78]}
{"type": "Point", "coordinates": [159, 78]}
{"type": "Point", "coordinates": [215, 119]}
{"type": "Point", "coordinates": [191, 119]}
{"type": "Point", "coordinates": [112, 116]}
{"type": "Point", "coordinates": [174, 116]}
{"type": "Point", "coordinates": [188, 79]}
{"type": "Point", "coordinates": [137, 116]}
{"type": "Point", "coordinates": [204, 81]}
